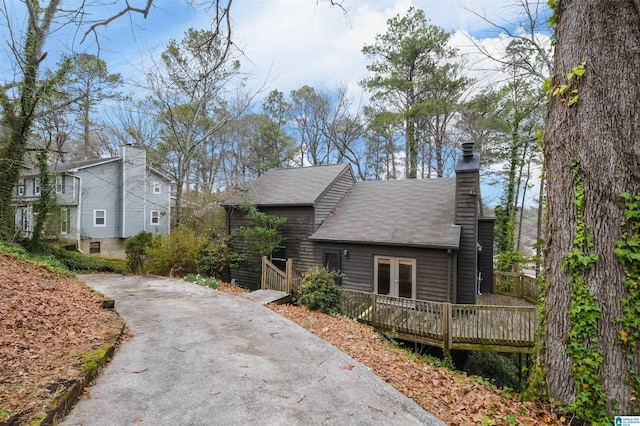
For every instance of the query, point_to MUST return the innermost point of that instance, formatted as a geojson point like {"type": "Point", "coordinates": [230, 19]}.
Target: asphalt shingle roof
{"type": "Point", "coordinates": [292, 186]}
{"type": "Point", "coordinates": [417, 212]}
{"type": "Point", "coordinates": [63, 167]}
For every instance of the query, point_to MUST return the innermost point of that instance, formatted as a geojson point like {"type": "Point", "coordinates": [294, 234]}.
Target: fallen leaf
{"type": "Point", "coordinates": [347, 367]}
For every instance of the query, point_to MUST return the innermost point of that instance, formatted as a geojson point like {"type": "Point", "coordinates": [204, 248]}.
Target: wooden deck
{"type": "Point", "coordinates": [498, 328]}
{"type": "Point", "coordinates": [504, 321]}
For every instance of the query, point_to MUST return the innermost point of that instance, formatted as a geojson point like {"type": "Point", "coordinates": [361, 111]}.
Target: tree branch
{"type": "Point", "coordinates": [129, 9]}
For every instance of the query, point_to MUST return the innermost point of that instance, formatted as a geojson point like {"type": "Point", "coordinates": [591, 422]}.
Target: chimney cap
{"type": "Point", "coordinates": [467, 150]}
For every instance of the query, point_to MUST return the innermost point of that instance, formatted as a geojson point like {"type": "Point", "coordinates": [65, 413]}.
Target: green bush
{"type": "Point", "coordinates": [319, 291]}
{"type": "Point", "coordinates": [216, 258]}
{"type": "Point", "coordinates": [175, 255]}
{"type": "Point", "coordinates": [136, 247]}
{"type": "Point", "coordinates": [78, 262]}
{"type": "Point", "coordinates": [500, 369]}
{"type": "Point", "coordinates": [510, 261]}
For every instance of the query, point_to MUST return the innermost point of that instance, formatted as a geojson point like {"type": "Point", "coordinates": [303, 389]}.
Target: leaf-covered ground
{"type": "Point", "coordinates": [46, 323]}
{"type": "Point", "coordinates": [455, 398]}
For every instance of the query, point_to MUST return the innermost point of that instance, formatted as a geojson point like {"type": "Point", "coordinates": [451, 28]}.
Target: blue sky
{"type": "Point", "coordinates": [289, 43]}
{"type": "Point", "coordinates": [285, 43]}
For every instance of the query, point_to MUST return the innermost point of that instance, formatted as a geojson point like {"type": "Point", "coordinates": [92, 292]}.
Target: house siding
{"type": "Point", "coordinates": [295, 231]}
{"type": "Point", "coordinates": [467, 216]}
{"type": "Point", "coordinates": [485, 236]}
{"type": "Point", "coordinates": [432, 267]}
{"type": "Point", "coordinates": [332, 196]}
{"type": "Point", "coordinates": [101, 190]}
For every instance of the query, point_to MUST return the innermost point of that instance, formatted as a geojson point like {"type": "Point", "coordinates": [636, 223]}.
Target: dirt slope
{"type": "Point", "coordinates": [46, 324]}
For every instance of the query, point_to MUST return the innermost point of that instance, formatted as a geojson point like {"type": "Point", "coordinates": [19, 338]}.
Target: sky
{"type": "Point", "coordinates": [289, 43]}
{"type": "Point", "coordinates": [285, 44]}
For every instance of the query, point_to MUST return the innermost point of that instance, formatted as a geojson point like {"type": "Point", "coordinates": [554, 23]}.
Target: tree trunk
{"type": "Point", "coordinates": [602, 132]}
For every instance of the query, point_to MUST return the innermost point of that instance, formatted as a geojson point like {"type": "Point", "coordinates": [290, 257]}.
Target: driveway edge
{"type": "Point", "coordinates": [92, 362]}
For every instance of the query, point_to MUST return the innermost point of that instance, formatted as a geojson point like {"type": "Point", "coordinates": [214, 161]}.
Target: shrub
{"type": "Point", "coordinates": [78, 262]}
{"type": "Point", "coordinates": [510, 261]}
{"type": "Point", "coordinates": [136, 247]}
{"type": "Point", "coordinates": [319, 291]}
{"type": "Point", "coordinates": [500, 369]}
{"type": "Point", "coordinates": [217, 257]}
{"type": "Point", "coordinates": [175, 255]}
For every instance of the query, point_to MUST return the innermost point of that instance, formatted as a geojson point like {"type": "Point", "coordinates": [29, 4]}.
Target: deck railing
{"type": "Point", "coordinates": [450, 326]}
{"type": "Point", "coordinates": [275, 279]}
{"type": "Point", "coordinates": [516, 284]}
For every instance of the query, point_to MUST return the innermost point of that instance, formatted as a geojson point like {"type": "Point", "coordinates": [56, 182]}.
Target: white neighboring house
{"type": "Point", "coordinates": [101, 201]}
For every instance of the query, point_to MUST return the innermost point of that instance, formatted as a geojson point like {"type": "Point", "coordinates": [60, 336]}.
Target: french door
{"type": "Point", "coordinates": [395, 276]}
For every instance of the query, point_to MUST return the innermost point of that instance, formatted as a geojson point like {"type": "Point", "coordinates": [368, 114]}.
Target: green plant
{"type": "Point", "coordinates": [584, 315]}
{"type": "Point", "coordinates": [135, 247]}
{"type": "Point", "coordinates": [210, 282]}
{"type": "Point", "coordinates": [502, 369]}
{"type": "Point", "coordinates": [217, 257]}
{"type": "Point", "coordinates": [174, 255]}
{"type": "Point", "coordinates": [264, 236]}
{"type": "Point", "coordinates": [192, 278]}
{"type": "Point", "coordinates": [628, 253]}
{"type": "Point", "coordinates": [319, 291]}
{"type": "Point", "coordinates": [510, 261]}
{"type": "Point", "coordinates": [79, 262]}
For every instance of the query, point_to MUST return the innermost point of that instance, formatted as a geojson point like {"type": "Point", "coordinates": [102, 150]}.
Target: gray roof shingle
{"type": "Point", "coordinates": [415, 212]}
{"type": "Point", "coordinates": [73, 165]}
{"type": "Point", "coordinates": [291, 186]}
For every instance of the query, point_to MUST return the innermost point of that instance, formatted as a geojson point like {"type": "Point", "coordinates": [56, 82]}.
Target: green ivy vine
{"type": "Point", "coordinates": [553, 19]}
{"type": "Point", "coordinates": [567, 92]}
{"type": "Point", "coordinates": [628, 253]}
{"type": "Point", "coordinates": [584, 314]}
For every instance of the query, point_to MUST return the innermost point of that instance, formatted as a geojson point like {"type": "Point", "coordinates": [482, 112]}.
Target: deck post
{"type": "Point", "coordinates": [447, 326]}
{"type": "Point", "coordinates": [289, 283]}
{"type": "Point", "coordinates": [263, 280]}
{"type": "Point", "coordinates": [374, 304]}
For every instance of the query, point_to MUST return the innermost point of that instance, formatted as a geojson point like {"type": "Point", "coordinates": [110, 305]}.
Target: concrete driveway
{"type": "Point", "coordinates": [202, 357]}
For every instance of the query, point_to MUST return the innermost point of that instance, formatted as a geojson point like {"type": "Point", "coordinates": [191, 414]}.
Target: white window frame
{"type": "Point", "coordinates": [36, 186]}
{"type": "Point", "coordinates": [394, 285]}
{"type": "Point", "coordinates": [24, 219]}
{"type": "Point", "coordinates": [157, 188]}
{"type": "Point", "coordinates": [95, 218]}
{"type": "Point", "coordinates": [59, 186]}
{"type": "Point", "coordinates": [64, 220]}
{"type": "Point", "coordinates": [154, 214]}
{"type": "Point", "coordinates": [20, 187]}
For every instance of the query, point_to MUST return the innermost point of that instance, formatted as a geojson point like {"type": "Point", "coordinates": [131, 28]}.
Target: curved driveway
{"type": "Point", "coordinates": [202, 357]}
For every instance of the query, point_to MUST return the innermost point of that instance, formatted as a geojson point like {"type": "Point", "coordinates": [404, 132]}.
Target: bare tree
{"type": "Point", "coordinates": [19, 98]}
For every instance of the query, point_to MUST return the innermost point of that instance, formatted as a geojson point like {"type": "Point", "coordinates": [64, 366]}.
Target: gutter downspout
{"type": "Point", "coordinates": [124, 192]}
{"type": "Point", "coordinates": [449, 275]}
{"type": "Point", "coordinates": [79, 213]}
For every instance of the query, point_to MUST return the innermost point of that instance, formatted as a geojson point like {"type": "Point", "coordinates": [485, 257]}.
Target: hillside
{"type": "Point", "coordinates": [48, 322]}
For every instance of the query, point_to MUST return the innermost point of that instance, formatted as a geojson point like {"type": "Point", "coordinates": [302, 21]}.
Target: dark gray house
{"type": "Point", "coordinates": [416, 238]}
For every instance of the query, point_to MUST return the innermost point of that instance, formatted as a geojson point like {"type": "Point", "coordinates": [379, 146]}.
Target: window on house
{"type": "Point", "coordinates": [279, 257]}
{"type": "Point", "coordinates": [24, 219]}
{"type": "Point", "coordinates": [155, 217]}
{"type": "Point", "coordinates": [20, 189]}
{"type": "Point", "coordinates": [331, 259]}
{"type": "Point", "coordinates": [157, 188]}
{"type": "Point", "coordinates": [64, 220]}
{"type": "Point", "coordinates": [36, 186]}
{"type": "Point", "coordinates": [395, 276]}
{"type": "Point", "coordinates": [99, 218]}
{"type": "Point", "coordinates": [60, 181]}
{"type": "Point", "coordinates": [94, 247]}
